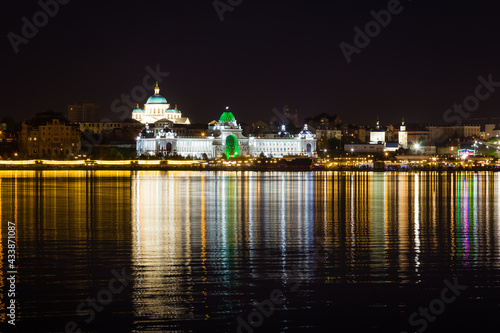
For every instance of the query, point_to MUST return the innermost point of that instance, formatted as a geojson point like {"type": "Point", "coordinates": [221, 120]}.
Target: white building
{"type": "Point", "coordinates": [364, 147]}
{"type": "Point", "coordinates": [377, 143]}
{"type": "Point", "coordinates": [157, 108]}
{"type": "Point", "coordinates": [225, 138]}
{"type": "Point", "coordinates": [377, 135]}
{"type": "Point", "coordinates": [403, 136]}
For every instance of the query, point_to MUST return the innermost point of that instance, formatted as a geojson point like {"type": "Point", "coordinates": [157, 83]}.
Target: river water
{"type": "Point", "coordinates": [145, 251]}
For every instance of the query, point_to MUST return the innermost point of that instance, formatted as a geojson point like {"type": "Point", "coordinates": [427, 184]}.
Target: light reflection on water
{"type": "Point", "coordinates": [204, 246]}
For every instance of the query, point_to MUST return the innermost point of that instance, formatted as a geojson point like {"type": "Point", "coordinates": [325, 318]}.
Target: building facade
{"type": "Point", "coordinates": [329, 133]}
{"type": "Point", "coordinates": [103, 127]}
{"type": "Point", "coordinates": [364, 148]}
{"type": "Point", "coordinates": [377, 135]}
{"type": "Point", "coordinates": [412, 135]}
{"type": "Point", "coordinates": [403, 136]}
{"type": "Point", "coordinates": [442, 133]}
{"type": "Point", "coordinates": [49, 135]}
{"type": "Point", "coordinates": [225, 138]}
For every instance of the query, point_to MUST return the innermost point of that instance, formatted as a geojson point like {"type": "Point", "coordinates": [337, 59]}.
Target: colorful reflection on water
{"type": "Point", "coordinates": [204, 247]}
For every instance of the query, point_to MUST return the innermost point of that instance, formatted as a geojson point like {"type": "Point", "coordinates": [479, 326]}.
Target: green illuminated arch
{"type": "Point", "coordinates": [232, 148]}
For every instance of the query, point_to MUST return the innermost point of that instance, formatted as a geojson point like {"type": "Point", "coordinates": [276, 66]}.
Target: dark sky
{"type": "Point", "coordinates": [265, 54]}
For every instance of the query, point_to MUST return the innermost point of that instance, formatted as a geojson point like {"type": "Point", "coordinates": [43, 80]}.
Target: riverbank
{"type": "Point", "coordinates": [302, 164]}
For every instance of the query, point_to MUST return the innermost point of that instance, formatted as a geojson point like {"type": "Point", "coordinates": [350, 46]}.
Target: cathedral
{"type": "Point", "coordinates": [157, 108]}
{"type": "Point", "coordinates": [222, 138]}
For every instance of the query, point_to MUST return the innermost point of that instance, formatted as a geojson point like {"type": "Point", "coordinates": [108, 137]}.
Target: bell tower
{"type": "Point", "coordinates": [403, 135]}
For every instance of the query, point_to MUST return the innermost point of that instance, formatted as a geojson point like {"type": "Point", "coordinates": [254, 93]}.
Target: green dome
{"type": "Point", "coordinates": [157, 99]}
{"type": "Point", "coordinates": [227, 117]}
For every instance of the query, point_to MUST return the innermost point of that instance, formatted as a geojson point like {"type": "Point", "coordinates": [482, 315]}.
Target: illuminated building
{"type": "Point", "coordinates": [403, 136]}
{"type": "Point", "coordinates": [158, 109]}
{"type": "Point", "coordinates": [49, 134]}
{"type": "Point", "coordinates": [488, 131]}
{"type": "Point", "coordinates": [377, 135]}
{"type": "Point", "coordinates": [329, 133]}
{"type": "Point", "coordinates": [440, 133]}
{"type": "Point", "coordinates": [225, 138]}
{"type": "Point", "coordinates": [377, 143]}
{"type": "Point", "coordinates": [495, 133]}
{"type": "Point", "coordinates": [106, 127]}
{"type": "Point", "coordinates": [364, 147]}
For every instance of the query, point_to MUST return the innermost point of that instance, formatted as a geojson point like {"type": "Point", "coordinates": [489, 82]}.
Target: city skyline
{"type": "Point", "coordinates": [244, 166]}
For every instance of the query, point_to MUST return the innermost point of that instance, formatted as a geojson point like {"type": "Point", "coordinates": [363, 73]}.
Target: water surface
{"type": "Point", "coordinates": [347, 251]}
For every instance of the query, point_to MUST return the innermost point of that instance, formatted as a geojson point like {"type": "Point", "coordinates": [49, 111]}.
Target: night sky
{"type": "Point", "coordinates": [263, 55]}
